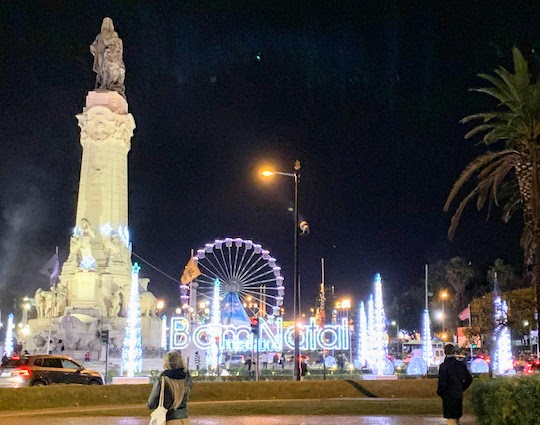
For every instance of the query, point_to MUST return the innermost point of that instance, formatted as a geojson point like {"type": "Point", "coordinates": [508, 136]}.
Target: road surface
{"type": "Point", "coordinates": [242, 420]}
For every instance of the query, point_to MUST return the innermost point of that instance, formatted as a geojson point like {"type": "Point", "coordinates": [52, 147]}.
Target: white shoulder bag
{"type": "Point", "coordinates": [159, 415]}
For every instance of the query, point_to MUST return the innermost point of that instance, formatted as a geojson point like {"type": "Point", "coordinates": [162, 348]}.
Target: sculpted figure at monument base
{"type": "Point", "coordinates": [78, 331]}
{"type": "Point", "coordinates": [148, 304]}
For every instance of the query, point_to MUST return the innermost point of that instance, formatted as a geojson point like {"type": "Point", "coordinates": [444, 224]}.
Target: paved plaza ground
{"type": "Point", "coordinates": [242, 420]}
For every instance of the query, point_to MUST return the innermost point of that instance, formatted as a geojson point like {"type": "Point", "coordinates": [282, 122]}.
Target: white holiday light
{"type": "Point", "coordinates": [427, 348]}
{"type": "Point", "coordinates": [8, 345]}
{"type": "Point", "coordinates": [164, 332]}
{"type": "Point", "coordinates": [378, 329]}
{"type": "Point", "coordinates": [131, 350]}
{"type": "Point", "coordinates": [370, 333]}
{"type": "Point", "coordinates": [502, 359]}
{"type": "Point", "coordinates": [215, 328]}
{"type": "Point", "coordinates": [363, 339]}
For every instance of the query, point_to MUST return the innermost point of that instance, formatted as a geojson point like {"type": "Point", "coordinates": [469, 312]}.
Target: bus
{"type": "Point", "coordinates": [413, 348]}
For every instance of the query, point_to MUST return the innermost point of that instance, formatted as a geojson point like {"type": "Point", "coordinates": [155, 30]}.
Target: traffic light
{"type": "Point", "coordinates": [105, 336]}
{"type": "Point", "coordinates": [254, 325]}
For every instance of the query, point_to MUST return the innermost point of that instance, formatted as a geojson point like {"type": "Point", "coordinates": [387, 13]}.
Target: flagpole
{"type": "Point", "coordinates": [322, 305]}
{"type": "Point", "coordinates": [192, 296]}
{"type": "Point", "coordinates": [470, 326]}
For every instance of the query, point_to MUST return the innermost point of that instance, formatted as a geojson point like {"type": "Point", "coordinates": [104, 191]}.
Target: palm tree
{"type": "Point", "coordinates": [509, 176]}
{"type": "Point", "coordinates": [505, 274]}
{"type": "Point", "coordinates": [459, 273]}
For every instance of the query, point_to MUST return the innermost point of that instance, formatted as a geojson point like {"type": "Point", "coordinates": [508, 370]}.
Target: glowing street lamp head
{"type": "Point", "coordinates": [267, 173]}
{"type": "Point", "coordinates": [346, 304]}
{"type": "Point", "coordinates": [160, 304]}
{"type": "Point", "coordinates": [444, 295]}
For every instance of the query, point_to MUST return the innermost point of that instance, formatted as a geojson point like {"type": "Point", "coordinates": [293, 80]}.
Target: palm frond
{"type": "Point", "coordinates": [516, 123]}
{"type": "Point", "coordinates": [472, 168]}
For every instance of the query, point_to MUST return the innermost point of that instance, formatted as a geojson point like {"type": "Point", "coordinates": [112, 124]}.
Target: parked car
{"type": "Point", "coordinates": [43, 369]}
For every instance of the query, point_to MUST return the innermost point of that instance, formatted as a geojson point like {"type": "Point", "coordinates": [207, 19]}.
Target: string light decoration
{"type": "Point", "coordinates": [215, 328]}
{"type": "Point", "coordinates": [378, 329]}
{"type": "Point", "coordinates": [8, 344]}
{"type": "Point", "coordinates": [164, 332]}
{"type": "Point", "coordinates": [370, 334]}
{"type": "Point", "coordinates": [131, 349]}
{"type": "Point", "coordinates": [363, 339]}
{"type": "Point", "coordinates": [427, 347]}
{"type": "Point", "coordinates": [502, 358]}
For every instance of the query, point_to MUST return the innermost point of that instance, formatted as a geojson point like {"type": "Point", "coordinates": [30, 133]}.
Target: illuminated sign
{"type": "Point", "coordinates": [270, 338]}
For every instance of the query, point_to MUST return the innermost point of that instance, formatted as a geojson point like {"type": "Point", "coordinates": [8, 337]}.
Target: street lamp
{"type": "Point", "coordinates": [346, 305]}
{"type": "Point", "coordinates": [296, 283]}
{"type": "Point", "coordinates": [444, 296]}
{"type": "Point", "coordinates": [525, 324]}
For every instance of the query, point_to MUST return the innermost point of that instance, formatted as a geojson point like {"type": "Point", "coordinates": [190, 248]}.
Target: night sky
{"type": "Point", "coordinates": [367, 97]}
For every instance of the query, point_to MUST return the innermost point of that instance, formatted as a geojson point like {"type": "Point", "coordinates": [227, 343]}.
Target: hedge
{"type": "Point", "coordinates": [116, 395]}
{"type": "Point", "coordinates": [507, 401]}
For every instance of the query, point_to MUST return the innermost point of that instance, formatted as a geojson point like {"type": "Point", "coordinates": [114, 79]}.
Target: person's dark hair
{"type": "Point", "coordinates": [449, 349]}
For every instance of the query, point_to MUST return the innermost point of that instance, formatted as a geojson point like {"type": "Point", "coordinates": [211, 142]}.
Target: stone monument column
{"type": "Point", "coordinates": [97, 273]}
{"type": "Point", "coordinates": [99, 263]}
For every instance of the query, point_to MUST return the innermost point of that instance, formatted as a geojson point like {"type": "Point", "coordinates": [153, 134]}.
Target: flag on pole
{"type": "Point", "coordinates": [191, 271]}
{"type": "Point", "coordinates": [51, 269]}
{"type": "Point", "coordinates": [465, 314]}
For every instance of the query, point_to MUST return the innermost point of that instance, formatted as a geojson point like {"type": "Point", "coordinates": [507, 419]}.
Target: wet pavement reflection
{"type": "Point", "coordinates": [243, 420]}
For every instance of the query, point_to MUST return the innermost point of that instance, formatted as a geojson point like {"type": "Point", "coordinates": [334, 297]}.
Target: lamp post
{"type": "Point", "coordinates": [396, 325]}
{"type": "Point", "coordinates": [296, 284]}
{"type": "Point", "coordinates": [444, 296]}
{"type": "Point", "coordinates": [525, 324]}
{"type": "Point", "coordinates": [346, 305]}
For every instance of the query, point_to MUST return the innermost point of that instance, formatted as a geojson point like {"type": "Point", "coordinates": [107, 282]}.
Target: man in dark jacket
{"type": "Point", "coordinates": [454, 378]}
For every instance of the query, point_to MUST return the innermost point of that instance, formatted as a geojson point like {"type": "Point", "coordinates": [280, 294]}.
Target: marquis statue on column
{"type": "Point", "coordinates": [109, 66]}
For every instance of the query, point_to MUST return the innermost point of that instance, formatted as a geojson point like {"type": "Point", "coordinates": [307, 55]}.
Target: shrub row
{"type": "Point", "coordinates": [507, 401]}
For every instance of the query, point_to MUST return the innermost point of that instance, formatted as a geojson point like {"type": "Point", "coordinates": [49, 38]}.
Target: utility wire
{"type": "Point", "coordinates": [154, 267]}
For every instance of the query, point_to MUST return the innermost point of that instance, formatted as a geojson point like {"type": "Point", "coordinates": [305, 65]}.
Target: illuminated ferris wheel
{"type": "Point", "coordinates": [250, 280]}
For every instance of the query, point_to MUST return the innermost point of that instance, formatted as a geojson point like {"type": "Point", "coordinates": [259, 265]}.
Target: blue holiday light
{"type": "Point", "coordinates": [215, 328]}
{"type": "Point", "coordinates": [427, 347]}
{"type": "Point", "coordinates": [363, 339]}
{"type": "Point", "coordinates": [378, 329]}
{"type": "Point", "coordinates": [88, 263]}
{"type": "Point", "coordinates": [131, 349]}
{"type": "Point", "coordinates": [502, 359]}
{"type": "Point", "coordinates": [164, 332]}
{"type": "Point", "coordinates": [8, 345]}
